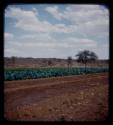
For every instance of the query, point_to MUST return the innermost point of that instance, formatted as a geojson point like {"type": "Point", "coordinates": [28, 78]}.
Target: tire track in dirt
{"type": "Point", "coordinates": [53, 82]}
{"type": "Point", "coordinates": [37, 93]}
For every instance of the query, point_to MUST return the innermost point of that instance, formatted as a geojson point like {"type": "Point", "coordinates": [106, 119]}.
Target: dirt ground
{"type": "Point", "coordinates": [70, 98]}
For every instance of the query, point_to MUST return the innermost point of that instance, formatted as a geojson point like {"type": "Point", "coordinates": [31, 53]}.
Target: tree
{"type": "Point", "coordinates": [13, 60]}
{"type": "Point", "coordinates": [93, 57]}
{"type": "Point", "coordinates": [49, 62]}
{"type": "Point", "coordinates": [69, 61]}
{"type": "Point", "coordinates": [86, 56]}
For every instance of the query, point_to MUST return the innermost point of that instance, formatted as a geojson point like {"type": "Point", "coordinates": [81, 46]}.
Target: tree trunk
{"type": "Point", "coordinates": [85, 67]}
{"type": "Point", "coordinates": [68, 66]}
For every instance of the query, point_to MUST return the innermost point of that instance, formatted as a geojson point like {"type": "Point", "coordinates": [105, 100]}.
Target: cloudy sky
{"type": "Point", "coordinates": [56, 30]}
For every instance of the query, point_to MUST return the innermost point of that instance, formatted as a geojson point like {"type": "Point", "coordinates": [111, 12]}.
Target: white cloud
{"type": "Point", "coordinates": [35, 11]}
{"type": "Point", "coordinates": [84, 24]}
{"type": "Point", "coordinates": [28, 21]}
{"type": "Point", "coordinates": [8, 35]}
{"type": "Point", "coordinates": [86, 19]}
{"type": "Point", "coordinates": [50, 42]}
{"type": "Point", "coordinates": [11, 52]}
{"type": "Point", "coordinates": [18, 13]}
{"type": "Point", "coordinates": [53, 10]}
{"type": "Point", "coordinates": [83, 13]}
{"type": "Point", "coordinates": [36, 37]}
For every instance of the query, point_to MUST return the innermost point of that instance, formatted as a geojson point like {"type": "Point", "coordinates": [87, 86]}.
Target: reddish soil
{"type": "Point", "coordinates": [70, 98]}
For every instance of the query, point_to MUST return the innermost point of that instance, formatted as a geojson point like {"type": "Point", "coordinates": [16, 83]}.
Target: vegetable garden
{"type": "Point", "coordinates": [22, 74]}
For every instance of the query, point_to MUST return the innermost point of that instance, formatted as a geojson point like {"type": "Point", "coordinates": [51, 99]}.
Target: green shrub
{"type": "Point", "coordinates": [19, 74]}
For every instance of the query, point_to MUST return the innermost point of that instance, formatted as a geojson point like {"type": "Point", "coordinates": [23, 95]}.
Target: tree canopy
{"type": "Point", "coordinates": [86, 56]}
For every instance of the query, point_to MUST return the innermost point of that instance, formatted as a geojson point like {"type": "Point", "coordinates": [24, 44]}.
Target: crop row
{"type": "Point", "coordinates": [48, 72]}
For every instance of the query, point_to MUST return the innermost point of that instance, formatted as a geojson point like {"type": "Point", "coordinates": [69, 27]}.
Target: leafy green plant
{"type": "Point", "coordinates": [19, 74]}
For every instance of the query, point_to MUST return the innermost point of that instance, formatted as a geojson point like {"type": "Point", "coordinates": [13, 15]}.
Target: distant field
{"type": "Point", "coordinates": [44, 63]}
{"type": "Point", "coordinates": [69, 98]}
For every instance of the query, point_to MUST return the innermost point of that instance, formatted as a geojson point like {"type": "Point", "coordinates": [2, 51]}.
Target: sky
{"type": "Point", "coordinates": [56, 30]}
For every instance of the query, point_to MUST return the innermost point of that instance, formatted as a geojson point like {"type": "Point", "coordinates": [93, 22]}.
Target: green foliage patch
{"type": "Point", "coordinates": [21, 74]}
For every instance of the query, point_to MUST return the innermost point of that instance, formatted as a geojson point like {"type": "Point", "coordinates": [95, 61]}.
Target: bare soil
{"type": "Point", "coordinates": [70, 98]}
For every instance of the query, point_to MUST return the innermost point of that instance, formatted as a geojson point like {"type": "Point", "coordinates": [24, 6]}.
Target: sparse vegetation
{"type": "Point", "coordinates": [43, 63]}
